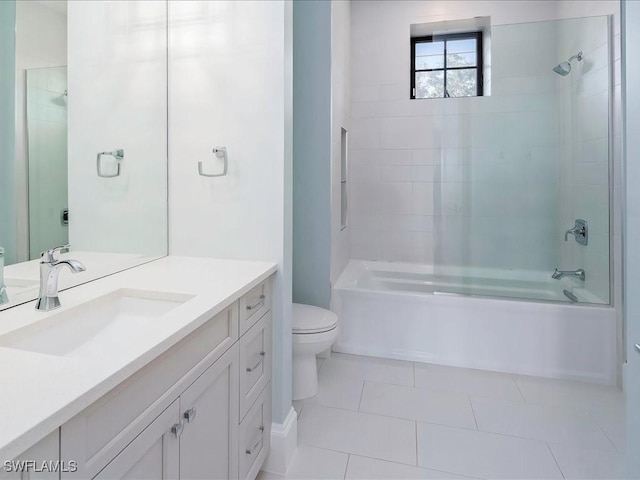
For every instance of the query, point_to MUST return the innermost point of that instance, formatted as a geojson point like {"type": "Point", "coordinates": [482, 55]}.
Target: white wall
{"type": "Point", "coordinates": [230, 85]}
{"type": "Point", "coordinates": [41, 41]}
{"type": "Point", "coordinates": [118, 99]}
{"type": "Point", "coordinates": [340, 118]}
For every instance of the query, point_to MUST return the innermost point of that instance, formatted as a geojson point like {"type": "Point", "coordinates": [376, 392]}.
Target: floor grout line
{"type": "Point", "coordinates": [351, 454]}
{"type": "Point", "coordinates": [595, 420]}
{"type": "Point", "coordinates": [474, 413]}
{"type": "Point", "coordinates": [520, 391]}
{"type": "Point", "coordinates": [416, 430]}
{"type": "Point", "coordinates": [414, 374]}
{"type": "Point", "coordinates": [361, 394]}
{"type": "Point", "coordinates": [554, 459]}
{"type": "Point", "coordinates": [346, 468]}
{"type": "Point", "coordinates": [488, 432]}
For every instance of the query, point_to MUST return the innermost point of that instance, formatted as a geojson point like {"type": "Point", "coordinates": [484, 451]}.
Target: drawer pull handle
{"type": "Point", "coordinates": [177, 428]}
{"type": "Point", "coordinates": [190, 414]}
{"type": "Point", "coordinates": [257, 305]}
{"type": "Point", "coordinates": [251, 369]}
{"type": "Point", "coordinates": [249, 451]}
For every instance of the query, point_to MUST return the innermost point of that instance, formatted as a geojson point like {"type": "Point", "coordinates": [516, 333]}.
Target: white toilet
{"type": "Point", "coordinates": [314, 331]}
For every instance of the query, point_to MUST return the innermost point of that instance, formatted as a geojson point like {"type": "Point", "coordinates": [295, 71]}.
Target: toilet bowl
{"type": "Point", "coordinates": [314, 331]}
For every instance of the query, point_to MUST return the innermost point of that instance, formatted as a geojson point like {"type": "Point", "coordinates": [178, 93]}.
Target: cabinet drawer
{"type": "Point", "coordinates": [255, 362]}
{"type": "Point", "coordinates": [94, 436]}
{"type": "Point", "coordinates": [253, 305]}
{"type": "Point", "coordinates": [255, 436]}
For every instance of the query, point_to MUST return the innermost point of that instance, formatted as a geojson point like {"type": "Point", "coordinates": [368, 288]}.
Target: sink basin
{"type": "Point", "coordinates": [17, 285]}
{"type": "Point", "coordinates": [100, 326]}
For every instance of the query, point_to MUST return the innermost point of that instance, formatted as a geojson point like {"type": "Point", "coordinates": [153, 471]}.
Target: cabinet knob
{"type": "Point", "coordinates": [190, 414]}
{"type": "Point", "coordinates": [177, 428]}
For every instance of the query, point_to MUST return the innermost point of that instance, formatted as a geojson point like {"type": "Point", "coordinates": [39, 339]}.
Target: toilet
{"type": "Point", "coordinates": [314, 331]}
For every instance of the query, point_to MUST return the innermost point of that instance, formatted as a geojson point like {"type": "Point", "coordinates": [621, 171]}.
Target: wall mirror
{"type": "Point", "coordinates": [83, 129]}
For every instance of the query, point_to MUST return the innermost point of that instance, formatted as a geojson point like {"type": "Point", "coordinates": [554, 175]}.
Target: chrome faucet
{"type": "Point", "coordinates": [580, 231]}
{"type": "Point", "coordinates": [579, 274]}
{"type": "Point", "coordinates": [49, 271]}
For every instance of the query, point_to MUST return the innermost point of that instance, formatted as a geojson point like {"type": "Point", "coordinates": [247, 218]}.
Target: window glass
{"type": "Point", "coordinates": [462, 83]}
{"type": "Point", "coordinates": [447, 66]}
{"type": "Point", "coordinates": [430, 84]}
{"type": "Point", "coordinates": [429, 55]}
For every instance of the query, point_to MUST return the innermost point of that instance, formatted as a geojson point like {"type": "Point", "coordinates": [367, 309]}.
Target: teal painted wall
{"type": "Point", "coordinates": [312, 152]}
{"type": "Point", "coordinates": [7, 131]}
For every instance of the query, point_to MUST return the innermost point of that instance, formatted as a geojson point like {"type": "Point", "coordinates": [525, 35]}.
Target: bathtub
{"type": "Point", "coordinates": [474, 319]}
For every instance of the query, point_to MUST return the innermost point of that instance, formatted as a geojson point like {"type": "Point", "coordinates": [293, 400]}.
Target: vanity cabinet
{"type": "Point", "coordinates": [194, 438]}
{"type": "Point", "coordinates": [201, 410]}
{"type": "Point", "coordinates": [154, 454]}
{"type": "Point", "coordinates": [46, 450]}
{"type": "Point", "coordinates": [209, 426]}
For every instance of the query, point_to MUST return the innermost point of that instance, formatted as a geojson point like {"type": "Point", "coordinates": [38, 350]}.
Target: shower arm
{"type": "Point", "coordinates": [577, 56]}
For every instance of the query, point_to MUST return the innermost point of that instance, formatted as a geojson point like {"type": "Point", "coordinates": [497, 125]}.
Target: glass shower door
{"type": "Point", "coordinates": [519, 167]}
{"type": "Point", "coordinates": [47, 143]}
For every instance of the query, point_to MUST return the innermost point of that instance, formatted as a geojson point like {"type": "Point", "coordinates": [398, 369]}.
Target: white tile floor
{"type": "Point", "coordinates": [387, 419]}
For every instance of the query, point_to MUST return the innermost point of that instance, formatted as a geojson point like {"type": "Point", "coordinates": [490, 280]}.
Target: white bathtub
{"type": "Point", "coordinates": [396, 310]}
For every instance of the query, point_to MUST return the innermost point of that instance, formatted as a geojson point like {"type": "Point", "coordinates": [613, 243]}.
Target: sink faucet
{"type": "Point", "coordinates": [49, 271]}
{"type": "Point", "coordinates": [580, 274]}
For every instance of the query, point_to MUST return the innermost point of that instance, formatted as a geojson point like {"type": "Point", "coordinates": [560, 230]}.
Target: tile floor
{"type": "Point", "coordinates": [387, 419]}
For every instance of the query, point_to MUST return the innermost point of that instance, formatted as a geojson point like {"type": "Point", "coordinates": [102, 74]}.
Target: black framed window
{"type": "Point", "coordinates": [446, 65]}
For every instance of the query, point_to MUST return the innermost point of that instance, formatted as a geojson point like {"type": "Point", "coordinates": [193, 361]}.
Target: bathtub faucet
{"type": "Point", "coordinates": [580, 274]}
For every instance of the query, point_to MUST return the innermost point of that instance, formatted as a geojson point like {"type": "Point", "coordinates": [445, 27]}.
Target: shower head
{"type": "Point", "coordinates": [563, 68]}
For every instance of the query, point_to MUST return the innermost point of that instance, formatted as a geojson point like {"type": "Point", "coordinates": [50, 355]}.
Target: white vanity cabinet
{"type": "Point", "coordinates": [194, 438]}
{"type": "Point", "coordinates": [46, 451]}
{"type": "Point", "coordinates": [189, 414]}
{"type": "Point", "coordinates": [154, 454]}
{"type": "Point", "coordinates": [209, 408]}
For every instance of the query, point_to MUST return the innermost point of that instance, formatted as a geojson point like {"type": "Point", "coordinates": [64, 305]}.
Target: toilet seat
{"type": "Point", "coordinates": [308, 319]}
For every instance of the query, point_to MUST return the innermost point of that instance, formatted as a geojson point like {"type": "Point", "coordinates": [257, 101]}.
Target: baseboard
{"type": "Point", "coordinates": [284, 441]}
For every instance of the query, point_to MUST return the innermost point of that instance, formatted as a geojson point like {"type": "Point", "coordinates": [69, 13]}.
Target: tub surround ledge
{"type": "Point", "coordinates": [41, 392]}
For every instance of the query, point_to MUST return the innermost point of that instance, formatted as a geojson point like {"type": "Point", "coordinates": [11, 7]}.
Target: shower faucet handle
{"type": "Point", "coordinates": [580, 231]}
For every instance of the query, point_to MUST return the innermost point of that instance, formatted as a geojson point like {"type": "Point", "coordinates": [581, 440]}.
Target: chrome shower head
{"type": "Point", "coordinates": [563, 68]}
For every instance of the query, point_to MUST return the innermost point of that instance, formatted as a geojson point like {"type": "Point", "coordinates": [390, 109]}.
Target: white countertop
{"type": "Point", "coordinates": [38, 392]}
{"type": "Point", "coordinates": [23, 279]}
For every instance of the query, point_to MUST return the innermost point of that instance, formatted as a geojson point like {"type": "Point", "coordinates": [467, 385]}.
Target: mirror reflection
{"type": "Point", "coordinates": [83, 121]}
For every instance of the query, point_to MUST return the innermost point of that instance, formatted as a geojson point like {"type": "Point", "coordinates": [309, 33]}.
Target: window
{"type": "Point", "coordinates": [446, 66]}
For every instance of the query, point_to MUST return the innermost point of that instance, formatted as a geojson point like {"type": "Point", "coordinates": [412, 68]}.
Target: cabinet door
{"type": "Point", "coordinates": [45, 453]}
{"type": "Point", "coordinates": [208, 445]}
{"type": "Point", "coordinates": [154, 454]}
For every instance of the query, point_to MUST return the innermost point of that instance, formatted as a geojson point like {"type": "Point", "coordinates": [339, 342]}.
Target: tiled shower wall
{"type": "Point", "coordinates": [583, 98]}
{"type": "Point", "coordinates": [471, 181]}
